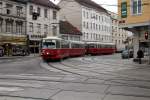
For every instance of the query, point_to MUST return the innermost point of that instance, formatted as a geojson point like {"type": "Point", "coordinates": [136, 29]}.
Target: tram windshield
{"type": "Point", "coordinates": [49, 44]}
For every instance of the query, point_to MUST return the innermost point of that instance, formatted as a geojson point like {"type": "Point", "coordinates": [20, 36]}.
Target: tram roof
{"type": "Point", "coordinates": [78, 42]}
{"type": "Point", "coordinates": [100, 43]}
{"type": "Point", "coordinates": [53, 38]}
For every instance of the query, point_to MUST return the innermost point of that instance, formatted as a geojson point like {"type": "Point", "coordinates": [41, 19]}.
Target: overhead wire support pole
{"type": "Point", "coordinates": [149, 40]}
{"type": "Point", "coordinates": [149, 43]}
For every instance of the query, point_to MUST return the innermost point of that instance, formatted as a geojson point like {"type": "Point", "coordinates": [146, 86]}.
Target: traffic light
{"type": "Point", "coordinates": [146, 35]}
{"type": "Point", "coordinates": [35, 16]}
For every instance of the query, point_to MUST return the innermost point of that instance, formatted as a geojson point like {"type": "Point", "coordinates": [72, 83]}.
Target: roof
{"type": "Point", "coordinates": [68, 28]}
{"type": "Point", "coordinates": [46, 3]}
{"type": "Point", "coordinates": [91, 4]}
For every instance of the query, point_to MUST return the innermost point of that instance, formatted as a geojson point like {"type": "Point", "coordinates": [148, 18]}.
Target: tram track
{"type": "Point", "coordinates": [111, 80]}
{"type": "Point", "coordinates": [21, 97]}
{"type": "Point", "coordinates": [131, 67]}
{"type": "Point", "coordinates": [115, 83]}
{"type": "Point", "coordinates": [3, 61]}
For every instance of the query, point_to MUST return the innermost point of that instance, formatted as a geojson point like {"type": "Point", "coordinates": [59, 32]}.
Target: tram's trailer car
{"type": "Point", "coordinates": [96, 48]}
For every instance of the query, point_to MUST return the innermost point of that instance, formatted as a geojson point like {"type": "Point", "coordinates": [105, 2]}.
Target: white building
{"type": "Point", "coordinates": [119, 35]}
{"type": "Point", "coordinates": [90, 18]}
{"type": "Point", "coordinates": [47, 23]}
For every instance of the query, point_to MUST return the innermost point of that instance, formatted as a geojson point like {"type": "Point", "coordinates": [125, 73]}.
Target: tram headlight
{"type": "Point", "coordinates": [47, 53]}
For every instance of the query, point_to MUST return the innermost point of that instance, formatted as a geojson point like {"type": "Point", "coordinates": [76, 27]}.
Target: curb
{"type": "Point", "coordinates": [16, 57]}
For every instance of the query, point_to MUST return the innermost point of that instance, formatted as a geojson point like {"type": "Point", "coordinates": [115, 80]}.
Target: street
{"type": "Point", "coordinates": [105, 77]}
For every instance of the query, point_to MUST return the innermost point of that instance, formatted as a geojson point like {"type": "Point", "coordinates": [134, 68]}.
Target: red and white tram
{"type": "Point", "coordinates": [56, 48]}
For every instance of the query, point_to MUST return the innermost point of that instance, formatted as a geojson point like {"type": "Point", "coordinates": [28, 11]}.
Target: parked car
{"type": "Point", "coordinates": [127, 54]}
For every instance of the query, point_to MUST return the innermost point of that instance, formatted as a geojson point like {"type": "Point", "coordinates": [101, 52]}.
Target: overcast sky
{"type": "Point", "coordinates": [103, 2]}
{"type": "Point", "coordinates": [109, 2]}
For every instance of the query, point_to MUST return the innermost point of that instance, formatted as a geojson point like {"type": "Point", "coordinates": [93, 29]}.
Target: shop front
{"type": "Point", "coordinates": [14, 45]}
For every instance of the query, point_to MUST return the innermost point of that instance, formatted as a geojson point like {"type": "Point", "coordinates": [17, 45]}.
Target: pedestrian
{"type": "Point", "coordinates": [140, 55]}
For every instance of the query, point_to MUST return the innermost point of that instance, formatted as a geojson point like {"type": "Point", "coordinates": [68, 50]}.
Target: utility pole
{"type": "Point", "coordinates": [149, 42]}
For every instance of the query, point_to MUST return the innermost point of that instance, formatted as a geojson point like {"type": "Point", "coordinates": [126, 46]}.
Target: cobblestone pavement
{"type": "Point", "coordinates": [84, 78]}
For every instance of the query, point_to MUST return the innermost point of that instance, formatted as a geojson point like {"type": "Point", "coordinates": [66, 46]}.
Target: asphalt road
{"type": "Point", "coordinates": [84, 78]}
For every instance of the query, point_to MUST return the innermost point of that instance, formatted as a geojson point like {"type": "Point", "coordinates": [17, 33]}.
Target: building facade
{"type": "Point", "coordinates": [119, 35]}
{"type": "Point", "coordinates": [12, 26]}
{"type": "Point", "coordinates": [90, 18]}
{"type": "Point", "coordinates": [46, 23]}
{"type": "Point", "coordinates": [135, 16]}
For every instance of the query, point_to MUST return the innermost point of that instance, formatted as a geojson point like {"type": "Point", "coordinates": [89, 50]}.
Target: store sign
{"type": "Point", "coordinates": [11, 39]}
{"type": "Point", "coordinates": [124, 9]}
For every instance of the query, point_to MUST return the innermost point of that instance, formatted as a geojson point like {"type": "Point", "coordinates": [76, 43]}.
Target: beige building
{"type": "Point", "coordinates": [12, 25]}
{"type": "Point", "coordinates": [135, 16]}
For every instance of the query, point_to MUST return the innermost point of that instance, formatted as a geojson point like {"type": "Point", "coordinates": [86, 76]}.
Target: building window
{"type": "Point", "coordinates": [54, 15]}
{"type": "Point", "coordinates": [31, 27]}
{"type": "Point", "coordinates": [9, 27]}
{"type": "Point", "coordinates": [96, 17]}
{"type": "Point", "coordinates": [45, 13]}
{"type": "Point", "coordinates": [87, 15]}
{"type": "Point", "coordinates": [31, 10]}
{"type": "Point", "coordinates": [38, 28]}
{"type": "Point", "coordinates": [84, 14]}
{"type": "Point", "coordinates": [9, 8]}
{"type": "Point", "coordinates": [46, 29]}
{"type": "Point", "coordinates": [87, 36]}
{"type": "Point", "coordinates": [84, 25]}
{"type": "Point", "coordinates": [54, 30]}
{"type": "Point", "coordinates": [1, 7]}
{"type": "Point", "coordinates": [19, 28]}
{"type": "Point", "coordinates": [1, 25]}
{"type": "Point", "coordinates": [39, 11]}
{"type": "Point", "coordinates": [94, 25]}
{"type": "Point", "coordinates": [136, 7]}
{"type": "Point", "coordinates": [87, 25]}
{"type": "Point", "coordinates": [19, 10]}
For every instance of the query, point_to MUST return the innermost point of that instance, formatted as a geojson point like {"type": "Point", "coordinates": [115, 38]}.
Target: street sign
{"type": "Point", "coordinates": [124, 9]}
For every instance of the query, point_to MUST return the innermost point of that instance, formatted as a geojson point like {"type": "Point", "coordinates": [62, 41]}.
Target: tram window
{"type": "Point", "coordinates": [64, 44]}
{"type": "Point", "coordinates": [99, 46]}
{"type": "Point", "coordinates": [87, 46]}
{"type": "Point", "coordinates": [49, 45]}
{"type": "Point", "coordinates": [75, 45]}
{"type": "Point", "coordinates": [91, 46]}
{"type": "Point", "coordinates": [57, 44]}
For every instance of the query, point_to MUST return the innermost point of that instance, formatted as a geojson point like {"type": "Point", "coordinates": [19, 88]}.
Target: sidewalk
{"type": "Point", "coordinates": [145, 60]}
{"type": "Point", "coordinates": [15, 57]}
